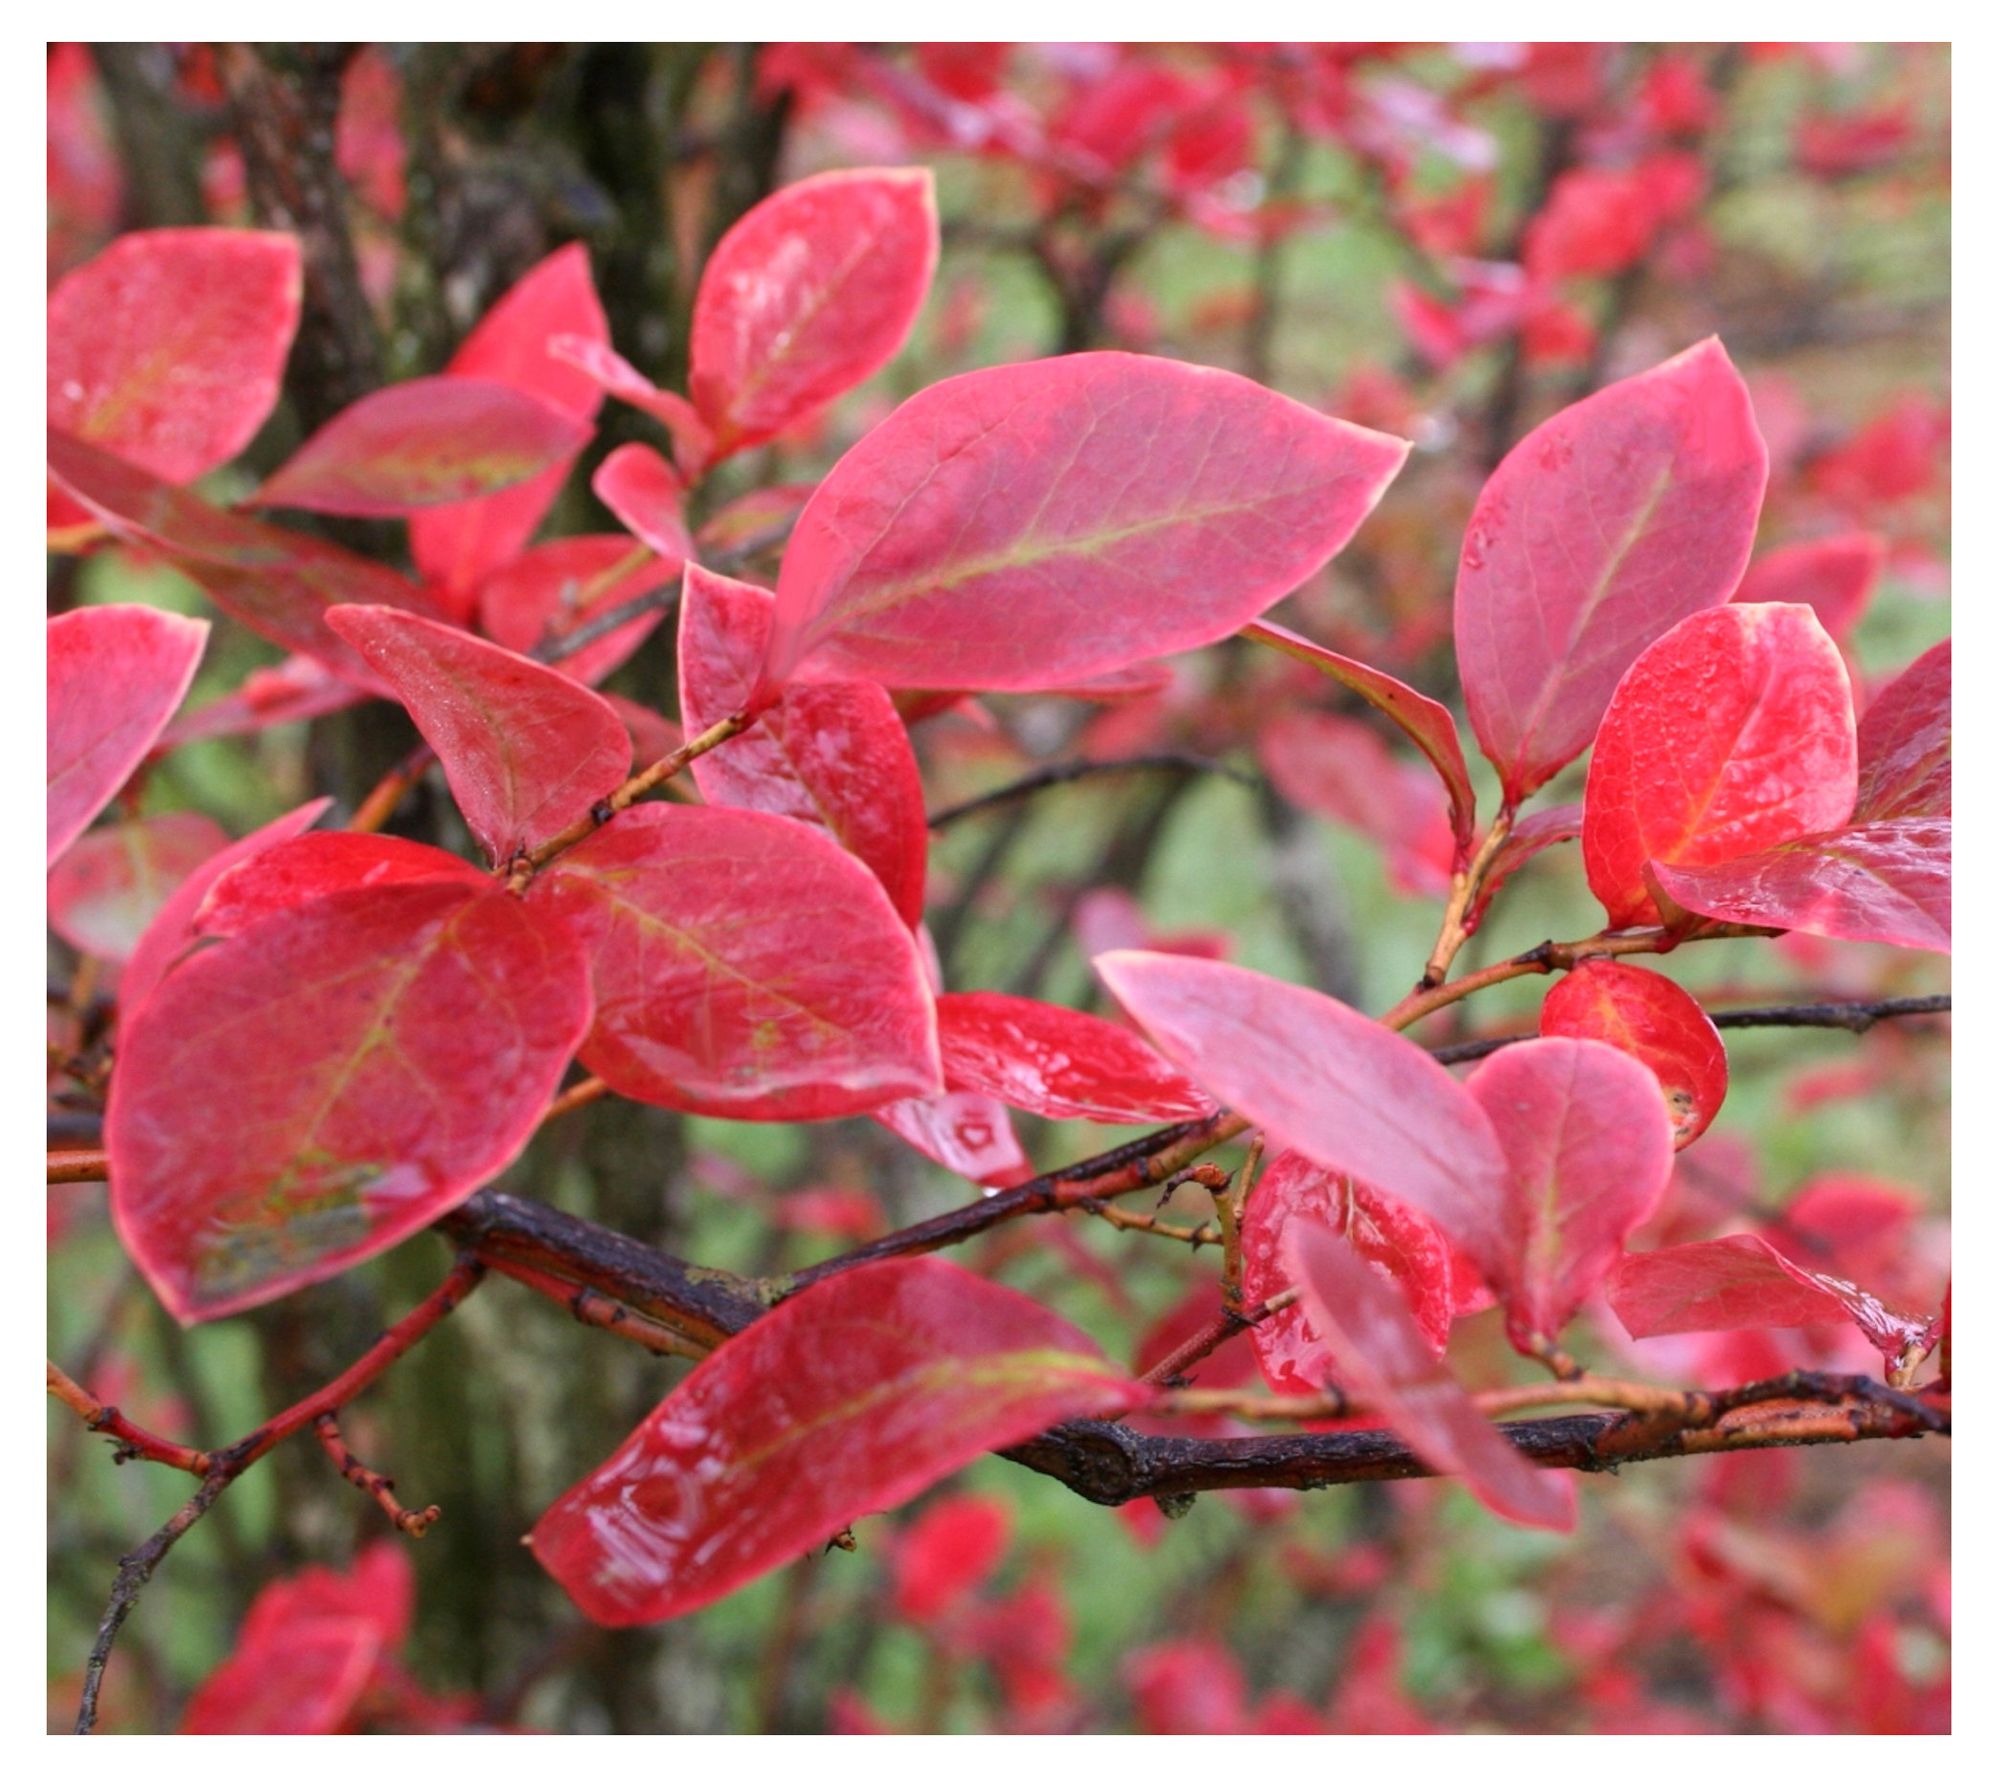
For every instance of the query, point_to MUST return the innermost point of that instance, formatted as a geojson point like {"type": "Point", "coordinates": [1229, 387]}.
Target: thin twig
{"type": "Point", "coordinates": [1069, 771]}
{"type": "Point", "coordinates": [380, 1488]}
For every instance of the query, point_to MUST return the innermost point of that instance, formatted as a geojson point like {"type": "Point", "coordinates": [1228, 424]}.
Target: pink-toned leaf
{"type": "Point", "coordinates": [172, 928]}
{"type": "Point", "coordinates": [1532, 834]}
{"type": "Point", "coordinates": [303, 1679]}
{"type": "Point", "coordinates": [1733, 732]}
{"type": "Point", "coordinates": [1742, 1282]}
{"type": "Point", "coordinates": [1589, 1152]}
{"type": "Point", "coordinates": [1836, 576]}
{"type": "Point", "coordinates": [833, 755]}
{"type": "Point", "coordinates": [297, 871]}
{"type": "Point", "coordinates": [1324, 1079]}
{"type": "Point", "coordinates": [744, 966]}
{"type": "Point", "coordinates": [109, 887]}
{"type": "Point", "coordinates": [644, 495]}
{"type": "Point", "coordinates": [302, 1096]}
{"type": "Point", "coordinates": [1022, 528]}
{"type": "Point", "coordinates": [1599, 531]}
{"type": "Point", "coordinates": [1886, 883]}
{"type": "Point", "coordinates": [1055, 1062]}
{"type": "Point", "coordinates": [432, 441]}
{"type": "Point", "coordinates": [278, 583]}
{"type": "Point", "coordinates": [965, 1133]}
{"type": "Point", "coordinates": [457, 547]}
{"type": "Point", "coordinates": [762, 518]}
{"type": "Point", "coordinates": [848, 1399]}
{"type": "Point", "coordinates": [1427, 722]}
{"type": "Point", "coordinates": [616, 376]}
{"type": "Point", "coordinates": [810, 293]}
{"type": "Point", "coordinates": [525, 750]}
{"type": "Point", "coordinates": [116, 673]}
{"type": "Point", "coordinates": [167, 349]}
{"type": "Point", "coordinates": [1402, 1246]}
{"type": "Point", "coordinates": [554, 588]}
{"type": "Point", "coordinates": [1904, 742]}
{"type": "Point", "coordinates": [1387, 1360]}
{"type": "Point", "coordinates": [1653, 1020]}
{"type": "Point", "coordinates": [296, 690]}
{"type": "Point", "coordinates": [947, 1555]}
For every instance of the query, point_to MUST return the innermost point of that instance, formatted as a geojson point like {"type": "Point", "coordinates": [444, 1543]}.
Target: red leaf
{"type": "Point", "coordinates": [296, 1099]}
{"type": "Point", "coordinates": [1387, 1360]}
{"type": "Point", "coordinates": [948, 1554]}
{"type": "Point", "coordinates": [107, 889]}
{"type": "Point", "coordinates": [1743, 1282]}
{"type": "Point", "coordinates": [1886, 883]}
{"type": "Point", "coordinates": [644, 495]}
{"type": "Point", "coordinates": [1402, 1247]}
{"type": "Point", "coordinates": [293, 872]}
{"type": "Point", "coordinates": [848, 1399]}
{"type": "Point", "coordinates": [1905, 743]}
{"type": "Point", "coordinates": [1026, 527]}
{"type": "Point", "coordinates": [595, 359]}
{"type": "Point", "coordinates": [1589, 1152]}
{"type": "Point", "coordinates": [525, 750]}
{"type": "Point", "coordinates": [432, 441]}
{"type": "Point", "coordinates": [302, 1680]}
{"type": "Point", "coordinates": [1836, 576]}
{"type": "Point", "coordinates": [296, 690]}
{"type": "Point", "coordinates": [810, 293]}
{"type": "Point", "coordinates": [1323, 1079]}
{"type": "Point", "coordinates": [457, 547]}
{"type": "Point", "coordinates": [173, 926]}
{"type": "Point", "coordinates": [965, 1133]}
{"type": "Point", "coordinates": [836, 756]}
{"type": "Point", "coordinates": [167, 349]}
{"type": "Point", "coordinates": [554, 588]}
{"type": "Point", "coordinates": [278, 583]}
{"type": "Point", "coordinates": [1187, 1688]}
{"type": "Point", "coordinates": [1054, 1062]}
{"type": "Point", "coordinates": [1597, 533]}
{"type": "Point", "coordinates": [1733, 732]}
{"type": "Point", "coordinates": [1532, 834]}
{"type": "Point", "coordinates": [1427, 722]}
{"type": "Point", "coordinates": [116, 673]}
{"type": "Point", "coordinates": [744, 966]}
{"type": "Point", "coordinates": [1653, 1020]}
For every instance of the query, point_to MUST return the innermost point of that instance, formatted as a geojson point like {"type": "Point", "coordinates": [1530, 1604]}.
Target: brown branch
{"type": "Point", "coordinates": [377, 1486]}
{"type": "Point", "coordinates": [1069, 771]}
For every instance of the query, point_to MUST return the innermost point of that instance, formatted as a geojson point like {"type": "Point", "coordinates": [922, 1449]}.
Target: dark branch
{"type": "Point", "coordinates": [1068, 771]}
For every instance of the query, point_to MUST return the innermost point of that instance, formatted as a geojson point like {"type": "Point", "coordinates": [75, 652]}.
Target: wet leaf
{"type": "Point", "coordinates": [1904, 742]}
{"type": "Point", "coordinates": [848, 1399]}
{"type": "Point", "coordinates": [295, 871]}
{"type": "Point", "coordinates": [1026, 527]}
{"type": "Point", "coordinates": [1656, 1022]}
{"type": "Point", "coordinates": [1599, 531]}
{"type": "Point", "coordinates": [965, 1133]}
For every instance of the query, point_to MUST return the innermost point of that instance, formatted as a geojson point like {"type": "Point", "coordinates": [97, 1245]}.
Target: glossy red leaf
{"type": "Point", "coordinates": [744, 966]}
{"type": "Point", "coordinates": [167, 349]}
{"type": "Point", "coordinates": [554, 588]}
{"type": "Point", "coordinates": [1402, 1246]}
{"type": "Point", "coordinates": [1743, 1282]}
{"type": "Point", "coordinates": [456, 547]}
{"type": "Point", "coordinates": [1886, 883]}
{"type": "Point", "coordinates": [1387, 1360]}
{"type": "Point", "coordinates": [302, 1096]}
{"type": "Point", "coordinates": [947, 1555]}
{"type": "Point", "coordinates": [278, 583]}
{"type": "Point", "coordinates": [1056, 1062]}
{"type": "Point", "coordinates": [432, 441]}
{"type": "Point", "coordinates": [525, 750]}
{"type": "Point", "coordinates": [1599, 531]}
{"type": "Point", "coordinates": [116, 673]}
{"type": "Point", "coordinates": [108, 888]}
{"type": "Point", "coordinates": [1733, 732]}
{"type": "Point", "coordinates": [1836, 576]}
{"type": "Point", "coordinates": [1904, 742]}
{"type": "Point", "coordinates": [847, 1399]}
{"type": "Point", "coordinates": [965, 1133]}
{"type": "Point", "coordinates": [644, 495]}
{"type": "Point", "coordinates": [303, 1679]}
{"type": "Point", "coordinates": [297, 871]}
{"type": "Point", "coordinates": [1427, 722]}
{"type": "Point", "coordinates": [296, 690]}
{"type": "Point", "coordinates": [1324, 1079]}
{"type": "Point", "coordinates": [1023, 528]}
{"type": "Point", "coordinates": [810, 293]}
{"type": "Point", "coordinates": [172, 929]}
{"type": "Point", "coordinates": [1589, 1153]}
{"type": "Point", "coordinates": [1656, 1022]}
{"type": "Point", "coordinates": [833, 755]}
